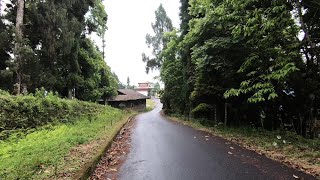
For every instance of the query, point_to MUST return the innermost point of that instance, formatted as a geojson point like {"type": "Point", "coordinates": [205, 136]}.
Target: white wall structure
{"type": "Point", "coordinates": [144, 88]}
{"type": "Point", "coordinates": [144, 92]}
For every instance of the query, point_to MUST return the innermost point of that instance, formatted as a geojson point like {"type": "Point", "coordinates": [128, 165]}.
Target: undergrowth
{"type": "Point", "coordinates": [30, 156]}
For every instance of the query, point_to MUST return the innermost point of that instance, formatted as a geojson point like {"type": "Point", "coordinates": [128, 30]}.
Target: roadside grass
{"type": "Point", "coordinates": [150, 104]}
{"type": "Point", "coordinates": [283, 146]}
{"type": "Point", "coordinates": [57, 150]}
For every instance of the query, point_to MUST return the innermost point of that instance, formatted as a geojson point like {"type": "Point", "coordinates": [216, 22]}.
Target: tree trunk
{"type": "Point", "coordinates": [103, 46]}
{"type": "Point", "coordinates": [306, 32]}
{"type": "Point", "coordinates": [18, 43]}
{"type": "Point", "coordinates": [225, 114]}
{"type": "Point", "coordinates": [215, 114]}
{"type": "Point", "coordinates": [70, 94]}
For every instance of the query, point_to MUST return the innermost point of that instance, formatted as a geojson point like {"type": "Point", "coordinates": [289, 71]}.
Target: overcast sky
{"type": "Point", "coordinates": [128, 23]}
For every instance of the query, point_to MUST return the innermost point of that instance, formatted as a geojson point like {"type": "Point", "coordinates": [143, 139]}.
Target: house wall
{"type": "Point", "coordinates": [131, 104]}
{"type": "Point", "coordinates": [144, 92]}
{"type": "Point", "coordinates": [143, 84]}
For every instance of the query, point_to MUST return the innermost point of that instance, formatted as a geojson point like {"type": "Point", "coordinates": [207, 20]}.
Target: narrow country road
{"type": "Point", "coordinates": [165, 150]}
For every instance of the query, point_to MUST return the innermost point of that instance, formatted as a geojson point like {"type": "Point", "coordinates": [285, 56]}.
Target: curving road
{"type": "Point", "coordinates": [165, 150]}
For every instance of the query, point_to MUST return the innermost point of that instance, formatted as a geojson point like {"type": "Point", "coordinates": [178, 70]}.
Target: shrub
{"type": "Point", "coordinates": [22, 113]}
{"type": "Point", "coordinates": [203, 110]}
{"type": "Point", "coordinates": [2, 92]}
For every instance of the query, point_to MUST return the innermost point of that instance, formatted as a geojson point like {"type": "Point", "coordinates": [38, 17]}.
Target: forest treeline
{"type": "Point", "coordinates": [241, 62]}
{"type": "Point", "coordinates": [47, 44]}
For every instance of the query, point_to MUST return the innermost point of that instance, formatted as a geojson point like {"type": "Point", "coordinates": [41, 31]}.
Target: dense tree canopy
{"type": "Point", "coordinates": [244, 61]}
{"type": "Point", "coordinates": [56, 52]}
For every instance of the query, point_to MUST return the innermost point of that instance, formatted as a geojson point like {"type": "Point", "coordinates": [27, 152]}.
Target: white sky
{"type": "Point", "coordinates": [128, 23]}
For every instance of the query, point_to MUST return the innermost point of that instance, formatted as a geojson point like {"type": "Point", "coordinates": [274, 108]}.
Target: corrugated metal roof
{"type": "Point", "coordinates": [127, 94]}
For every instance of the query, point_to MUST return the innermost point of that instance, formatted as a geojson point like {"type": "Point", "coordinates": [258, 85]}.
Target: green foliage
{"type": "Point", "coordinates": [97, 20]}
{"type": "Point", "coordinates": [243, 57]}
{"type": "Point", "coordinates": [41, 154]}
{"type": "Point", "coordinates": [150, 105]}
{"type": "Point", "coordinates": [269, 53]}
{"type": "Point", "coordinates": [97, 80]}
{"type": "Point", "coordinates": [157, 41]}
{"type": "Point", "coordinates": [203, 110]}
{"type": "Point", "coordinates": [22, 113]}
{"type": "Point", "coordinates": [4, 93]}
{"type": "Point", "coordinates": [56, 53]}
{"type": "Point", "coordinates": [172, 75]}
{"type": "Point", "coordinates": [156, 89]}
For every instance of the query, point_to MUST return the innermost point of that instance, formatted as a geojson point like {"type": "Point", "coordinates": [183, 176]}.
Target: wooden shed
{"type": "Point", "coordinates": [128, 98]}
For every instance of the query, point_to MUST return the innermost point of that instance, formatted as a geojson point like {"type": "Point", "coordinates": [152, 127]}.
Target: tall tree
{"type": "Point", "coordinates": [157, 41]}
{"type": "Point", "coordinates": [55, 51]}
{"type": "Point", "coordinates": [97, 21]}
{"type": "Point", "coordinates": [307, 82]}
{"type": "Point", "coordinates": [172, 75]}
{"type": "Point", "coordinates": [18, 44]}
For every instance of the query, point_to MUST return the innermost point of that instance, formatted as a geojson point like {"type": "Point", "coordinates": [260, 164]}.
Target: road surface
{"type": "Point", "coordinates": [165, 150]}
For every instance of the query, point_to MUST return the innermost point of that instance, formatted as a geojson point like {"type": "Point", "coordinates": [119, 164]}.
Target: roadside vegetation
{"type": "Point", "coordinates": [150, 104]}
{"type": "Point", "coordinates": [47, 45]}
{"type": "Point", "coordinates": [249, 68]}
{"type": "Point", "coordinates": [45, 137]}
{"type": "Point", "coordinates": [240, 63]}
{"type": "Point", "coordinates": [283, 146]}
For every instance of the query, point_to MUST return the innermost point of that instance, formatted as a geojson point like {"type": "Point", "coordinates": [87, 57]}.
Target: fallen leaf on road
{"type": "Point", "coordinates": [231, 148]}
{"type": "Point", "coordinates": [295, 176]}
{"type": "Point", "coordinates": [114, 170]}
{"type": "Point", "coordinates": [230, 152]}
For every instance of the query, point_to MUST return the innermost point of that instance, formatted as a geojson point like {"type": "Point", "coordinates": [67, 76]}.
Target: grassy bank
{"type": "Point", "coordinates": [286, 147]}
{"type": "Point", "coordinates": [150, 104]}
{"type": "Point", "coordinates": [57, 149]}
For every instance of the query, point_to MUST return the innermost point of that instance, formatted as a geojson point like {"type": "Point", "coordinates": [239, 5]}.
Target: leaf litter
{"type": "Point", "coordinates": [112, 160]}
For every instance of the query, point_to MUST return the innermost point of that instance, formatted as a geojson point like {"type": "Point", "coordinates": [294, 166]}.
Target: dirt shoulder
{"type": "Point", "coordinates": [81, 159]}
{"type": "Point", "coordinates": [112, 160]}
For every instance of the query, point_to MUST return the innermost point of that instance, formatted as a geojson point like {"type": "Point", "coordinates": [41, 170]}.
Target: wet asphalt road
{"type": "Point", "coordinates": [165, 150]}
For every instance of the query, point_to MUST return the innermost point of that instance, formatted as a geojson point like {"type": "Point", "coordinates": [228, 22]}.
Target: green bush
{"type": "Point", "coordinates": [22, 113]}
{"type": "Point", "coordinates": [203, 110]}
{"type": "Point", "coordinates": [2, 92]}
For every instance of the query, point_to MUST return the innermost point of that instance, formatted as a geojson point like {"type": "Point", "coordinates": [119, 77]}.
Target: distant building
{"type": "Point", "coordinates": [144, 88]}
{"type": "Point", "coordinates": [128, 98]}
